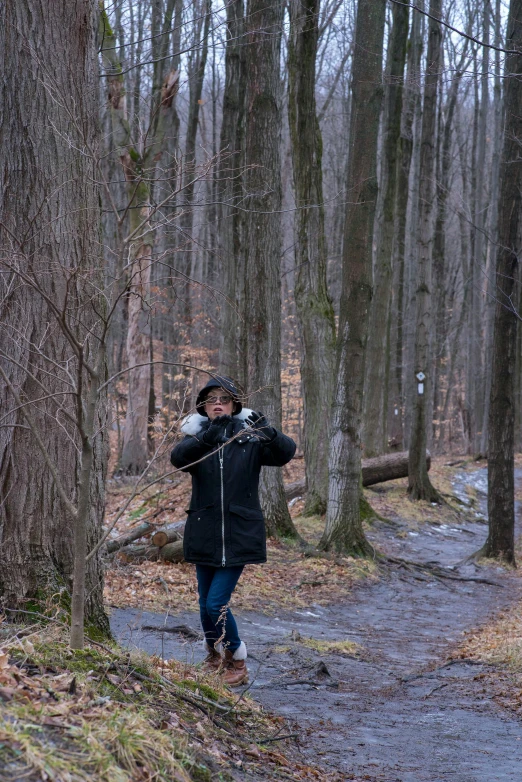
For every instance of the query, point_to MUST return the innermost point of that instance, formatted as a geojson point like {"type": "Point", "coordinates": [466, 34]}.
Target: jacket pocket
{"type": "Point", "coordinates": [200, 533]}
{"type": "Point", "coordinates": [247, 531]}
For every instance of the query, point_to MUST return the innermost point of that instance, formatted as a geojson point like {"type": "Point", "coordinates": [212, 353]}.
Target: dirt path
{"type": "Point", "coordinates": [396, 711]}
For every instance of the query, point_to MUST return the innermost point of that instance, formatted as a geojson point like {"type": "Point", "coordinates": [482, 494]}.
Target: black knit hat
{"type": "Point", "coordinates": [219, 381]}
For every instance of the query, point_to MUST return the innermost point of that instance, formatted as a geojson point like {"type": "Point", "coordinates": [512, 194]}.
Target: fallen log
{"type": "Point", "coordinates": [139, 552]}
{"type": "Point", "coordinates": [169, 534]}
{"type": "Point", "coordinates": [129, 537]}
{"type": "Point", "coordinates": [295, 489]}
{"type": "Point", "coordinates": [387, 467]}
{"type": "Point", "coordinates": [377, 470]}
{"type": "Point", "coordinates": [172, 552]}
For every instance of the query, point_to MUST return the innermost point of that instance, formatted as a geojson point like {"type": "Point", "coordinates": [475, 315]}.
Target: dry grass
{"type": "Point", "coordinates": [103, 714]}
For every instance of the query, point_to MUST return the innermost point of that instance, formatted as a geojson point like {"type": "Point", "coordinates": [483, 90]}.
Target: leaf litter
{"type": "Point", "coordinates": [105, 714]}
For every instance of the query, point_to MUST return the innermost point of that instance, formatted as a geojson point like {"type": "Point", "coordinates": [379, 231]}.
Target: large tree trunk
{"type": "Point", "coordinates": [262, 243]}
{"type": "Point", "coordinates": [230, 189]}
{"type": "Point", "coordinates": [343, 531]}
{"type": "Point", "coordinates": [501, 492]}
{"type": "Point", "coordinates": [315, 315]}
{"type": "Point", "coordinates": [49, 230]}
{"type": "Point", "coordinates": [375, 419]}
{"type": "Point", "coordinates": [419, 484]}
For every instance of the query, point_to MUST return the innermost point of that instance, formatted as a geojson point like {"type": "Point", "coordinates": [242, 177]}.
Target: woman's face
{"type": "Point", "coordinates": [216, 404]}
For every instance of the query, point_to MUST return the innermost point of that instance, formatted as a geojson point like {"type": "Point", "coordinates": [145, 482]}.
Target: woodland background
{"type": "Point", "coordinates": [319, 199]}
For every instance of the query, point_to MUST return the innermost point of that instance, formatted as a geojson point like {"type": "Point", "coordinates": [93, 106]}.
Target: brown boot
{"type": "Point", "coordinates": [235, 672]}
{"type": "Point", "coordinates": [213, 661]}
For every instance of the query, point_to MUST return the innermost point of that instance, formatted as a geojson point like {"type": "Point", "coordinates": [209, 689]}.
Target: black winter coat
{"type": "Point", "coordinates": [225, 524]}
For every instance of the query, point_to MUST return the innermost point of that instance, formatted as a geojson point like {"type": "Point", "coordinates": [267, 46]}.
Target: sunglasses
{"type": "Point", "coordinates": [213, 400]}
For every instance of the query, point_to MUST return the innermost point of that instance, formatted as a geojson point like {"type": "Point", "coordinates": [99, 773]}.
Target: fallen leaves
{"type": "Point", "coordinates": [75, 716]}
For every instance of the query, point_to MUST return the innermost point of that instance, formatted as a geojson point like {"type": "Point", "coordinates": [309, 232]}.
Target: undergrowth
{"type": "Point", "coordinates": [108, 715]}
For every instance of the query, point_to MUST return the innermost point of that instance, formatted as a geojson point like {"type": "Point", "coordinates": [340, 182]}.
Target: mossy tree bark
{"type": "Point", "coordinates": [315, 315]}
{"type": "Point", "coordinates": [501, 493]}
{"type": "Point", "coordinates": [419, 484]}
{"type": "Point", "coordinates": [375, 434]}
{"type": "Point", "coordinates": [52, 443]}
{"type": "Point", "coordinates": [343, 531]}
{"type": "Point", "coordinates": [261, 310]}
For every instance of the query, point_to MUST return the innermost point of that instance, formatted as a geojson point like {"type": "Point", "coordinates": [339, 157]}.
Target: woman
{"type": "Point", "coordinates": [224, 448]}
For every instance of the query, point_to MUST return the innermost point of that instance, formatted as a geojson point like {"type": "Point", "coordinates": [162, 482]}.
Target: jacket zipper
{"type": "Point", "coordinates": [223, 560]}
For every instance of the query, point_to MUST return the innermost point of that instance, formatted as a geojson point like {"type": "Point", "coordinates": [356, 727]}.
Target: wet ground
{"type": "Point", "coordinates": [397, 710]}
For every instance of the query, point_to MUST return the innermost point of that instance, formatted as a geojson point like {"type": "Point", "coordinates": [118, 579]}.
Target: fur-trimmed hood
{"type": "Point", "coordinates": [194, 423]}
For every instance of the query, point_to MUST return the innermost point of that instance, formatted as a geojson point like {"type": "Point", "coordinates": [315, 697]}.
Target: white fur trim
{"type": "Point", "coordinates": [241, 652]}
{"type": "Point", "coordinates": [193, 423]}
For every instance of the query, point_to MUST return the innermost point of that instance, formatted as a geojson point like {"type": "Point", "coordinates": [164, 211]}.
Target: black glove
{"type": "Point", "coordinates": [216, 432]}
{"type": "Point", "coordinates": [262, 428]}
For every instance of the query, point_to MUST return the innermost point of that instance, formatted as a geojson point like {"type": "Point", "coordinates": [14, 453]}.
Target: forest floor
{"type": "Point", "coordinates": [383, 671]}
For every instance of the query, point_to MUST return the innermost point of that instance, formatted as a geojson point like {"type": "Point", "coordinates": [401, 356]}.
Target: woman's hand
{"type": "Point", "coordinates": [260, 425]}
{"type": "Point", "coordinates": [216, 432]}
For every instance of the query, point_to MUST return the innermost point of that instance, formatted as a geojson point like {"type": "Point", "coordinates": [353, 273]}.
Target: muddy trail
{"type": "Point", "coordinates": [396, 709]}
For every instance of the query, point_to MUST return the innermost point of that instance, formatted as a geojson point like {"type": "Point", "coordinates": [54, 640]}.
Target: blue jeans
{"type": "Point", "coordinates": [215, 587]}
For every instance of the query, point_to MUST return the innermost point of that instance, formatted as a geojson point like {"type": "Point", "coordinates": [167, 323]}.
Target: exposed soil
{"type": "Point", "coordinates": [396, 707]}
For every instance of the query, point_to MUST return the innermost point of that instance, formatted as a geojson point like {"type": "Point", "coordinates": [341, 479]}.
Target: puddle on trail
{"type": "Point", "coordinates": [396, 712]}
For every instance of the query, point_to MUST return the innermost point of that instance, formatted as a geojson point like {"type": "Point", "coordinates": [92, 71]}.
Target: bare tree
{"type": "Point", "coordinates": [230, 189]}
{"type": "Point", "coordinates": [375, 436]}
{"type": "Point", "coordinates": [419, 484]}
{"type": "Point", "coordinates": [51, 434]}
{"type": "Point", "coordinates": [138, 163]}
{"type": "Point", "coordinates": [262, 235]}
{"type": "Point", "coordinates": [343, 530]}
{"type": "Point", "coordinates": [315, 312]}
{"type": "Point", "coordinates": [501, 489]}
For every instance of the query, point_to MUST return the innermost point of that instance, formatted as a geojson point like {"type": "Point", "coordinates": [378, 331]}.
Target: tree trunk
{"type": "Point", "coordinates": [501, 491]}
{"type": "Point", "coordinates": [138, 167]}
{"type": "Point", "coordinates": [230, 190]}
{"type": "Point", "coordinates": [196, 75]}
{"type": "Point", "coordinates": [315, 315]}
{"type": "Point", "coordinates": [440, 265]}
{"type": "Point", "coordinates": [480, 224]}
{"type": "Point", "coordinates": [375, 418]}
{"type": "Point", "coordinates": [343, 531]}
{"type": "Point", "coordinates": [262, 242]}
{"type": "Point", "coordinates": [171, 337]}
{"type": "Point", "coordinates": [135, 451]}
{"type": "Point", "coordinates": [410, 101]}
{"type": "Point", "coordinates": [419, 484]}
{"type": "Point", "coordinates": [49, 229]}
{"type": "Point", "coordinates": [489, 310]}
